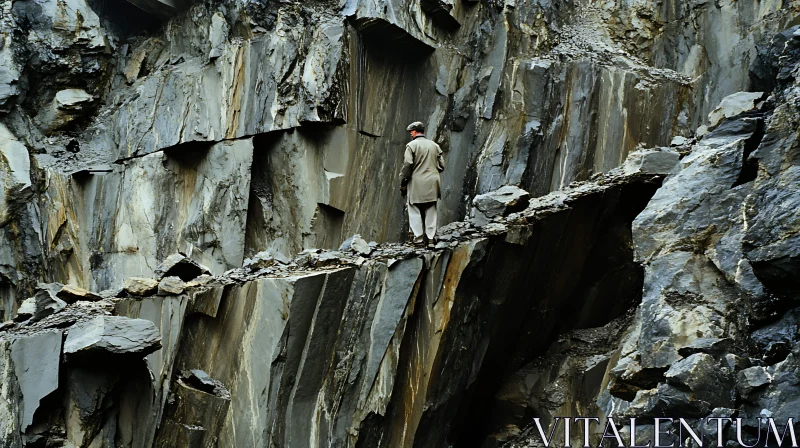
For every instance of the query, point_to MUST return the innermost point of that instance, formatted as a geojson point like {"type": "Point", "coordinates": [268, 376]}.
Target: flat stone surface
{"type": "Point", "coordinates": [113, 335]}
{"type": "Point", "coordinates": [71, 99]}
{"type": "Point", "coordinates": [733, 105]}
{"type": "Point", "coordinates": [36, 365]}
{"type": "Point", "coordinates": [72, 294]}
{"type": "Point", "coordinates": [171, 286]}
{"type": "Point", "coordinates": [41, 305]}
{"type": "Point", "coordinates": [139, 286]}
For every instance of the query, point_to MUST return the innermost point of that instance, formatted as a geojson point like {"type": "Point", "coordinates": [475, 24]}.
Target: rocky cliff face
{"type": "Point", "coordinates": [190, 170]}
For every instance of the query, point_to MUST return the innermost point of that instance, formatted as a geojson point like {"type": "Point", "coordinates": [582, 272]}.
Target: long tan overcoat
{"type": "Point", "coordinates": [422, 163]}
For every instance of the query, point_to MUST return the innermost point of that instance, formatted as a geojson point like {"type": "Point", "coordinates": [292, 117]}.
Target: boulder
{"type": "Point", "coordinates": [139, 286]}
{"type": "Point", "coordinates": [701, 374]}
{"type": "Point", "coordinates": [678, 140]}
{"type": "Point", "coordinates": [68, 105]}
{"type": "Point", "coordinates": [42, 304]}
{"type": "Point", "coordinates": [179, 265]}
{"type": "Point", "coordinates": [72, 100]}
{"type": "Point", "coordinates": [360, 246]}
{"type": "Point", "coordinates": [501, 202]}
{"type": "Point", "coordinates": [775, 340]}
{"type": "Point", "coordinates": [733, 105]}
{"type": "Point", "coordinates": [113, 335]}
{"type": "Point", "coordinates": [15, 173]}
{"type": "Point", "coordinates": [652, 161]}
{"type": "Point", "coordinates": [712, 346]}
{"type": "Point", "coordinates": [265, 259]}
{"type": "Point", "coordinates": [751, 379]}
{"type": "Point", "coordinates": [667, 401]}
{"type": "Point", "coordinates": [35, 360]}
{"type": "Point", "coordinates": [171, 286]}
{"type": "Point", "coordinates": [200, 380]}
{"type": "Point", "coordinates": [72, 294]}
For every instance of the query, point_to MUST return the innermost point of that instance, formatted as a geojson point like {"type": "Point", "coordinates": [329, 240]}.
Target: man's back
{"type": "Point", "coordinates": [424, 158]}
{"type": "Point", "coordinates": [426, 155]}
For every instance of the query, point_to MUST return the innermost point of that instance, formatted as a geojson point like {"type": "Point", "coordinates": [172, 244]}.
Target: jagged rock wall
{"type": "Point", "coordinates": [221, 129]}
{"type": "Point", "coordinates": [527, 93]}
{"type": "Point", "coordinates": [396, 349]}
{"type": "Point", "coordinates": [715, 333]}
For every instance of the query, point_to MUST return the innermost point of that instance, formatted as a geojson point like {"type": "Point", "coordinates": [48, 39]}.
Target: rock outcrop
{"type": "Point", "coordinates": [715, 334]}
{"type": "Point", "coordinates": [201, 230]}
{"type": "Point", "coordinates": [378, 348]}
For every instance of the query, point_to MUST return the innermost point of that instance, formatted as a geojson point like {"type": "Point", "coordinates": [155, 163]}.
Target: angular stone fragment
{"type": "Point", "coordinates": [200, 380]}
{"type": "Point", "coordinates": [113, 335]}
{"type": "Point", "coordinates": [733, 105]}
{"type": "Point", "coordinates": [41, 305]}
{"type": "Point", "coordinates": [139, 286]}
{"type": "Point", "coordinates": [701, 374]}
{"type": "Point", "coordinates": [440, 11]}
{"type": "Point", "coordinates": [217, 35]}
{"type": "Point", "coordinates": [500, 202]}
{"type": "Point", "coordinates": [36, 364]}
{"type": "Point", "coordinates": [171, 286]}
{"type": "Point", "coordinates": [179, 265]}
{"type": "Point", "coordinates": [72, 100]}
{"type": "Point", "coordinates": [360, 246]}
{"type": "Point", "coordinates": [66, 107]}
{"type": "Point", "coordinates": [15, 174]}
{"type": "Point", "coordinates": [652, 161]}
{"type": "Point", "coordinates": [776, 340]}
{"type": "Point", "coordinates": [265, 259]}
{"type": "Point", "coordinates": [713, 346]}
{"type": "Point", "coordinates": [72, 294]}
{"type": "Point", "coordinates": [678, 140]}
{"type": "Point", "coordinates": [751, 379]}
{"type": "Point", "coordinates": [666, 401]}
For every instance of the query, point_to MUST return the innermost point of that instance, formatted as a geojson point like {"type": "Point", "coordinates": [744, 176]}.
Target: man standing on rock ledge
{"type": "Point", "coordinates": [419, 183]}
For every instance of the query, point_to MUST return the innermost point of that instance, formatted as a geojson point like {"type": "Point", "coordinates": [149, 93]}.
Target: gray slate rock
{"type": "Point", "coordinates": [775, 340]}
{"type": "Point", "coordinates": [667, 401]}
{"type": "Point", "coordinates": [113, 335]}
{"type": "Point", "coordinates": [72, 294]}
{"type": "Point", "coordinates": [179, 265]}
{"type": "Point", "coordinates": [36, 365]}
{"type": "Point", "coordinates": [701, 374]}
{"type": "Point", "coordinates": [42, 304]}
{"type": "Point", "coordinates": [652, 161]}
{"type": "Point", "coordinates": [501, 202]}
{"type": "Point", "coordinates": [751, 379]}
{"type": "Point", "coordinates": [733, 105]}
{"type": "Point", "coordinates": [265, 259]}
{"type": "Point", "coordinates": [712, 346]}
{"type": "Point", "coordinates": [360, 246]}
{"type": "Point", "coordinates": [170, 286]}
{"type": "Point", "coordinates": [139, 286]}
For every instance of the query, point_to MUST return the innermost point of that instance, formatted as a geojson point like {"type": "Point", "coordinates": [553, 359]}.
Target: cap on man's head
{"type": "Point", "coordinates": [416, 126]}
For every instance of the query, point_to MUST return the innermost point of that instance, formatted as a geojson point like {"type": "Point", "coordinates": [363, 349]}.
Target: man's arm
{"type": "Point", "coordinates": [408, 167]}
{"type": "Point", "coordinates": [440, 159]}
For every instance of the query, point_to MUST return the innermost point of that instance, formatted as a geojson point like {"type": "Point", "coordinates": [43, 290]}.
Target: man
{"type": "Point", "coordinates": [419, 183]}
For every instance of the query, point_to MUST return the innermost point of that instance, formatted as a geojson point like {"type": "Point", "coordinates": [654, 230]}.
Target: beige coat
{"type": "Point", "coordinates": [422, 163]}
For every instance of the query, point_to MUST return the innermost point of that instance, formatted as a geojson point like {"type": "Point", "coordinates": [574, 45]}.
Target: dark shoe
{"type": "Point", "coordinates": [418, 241]}
{"type": "Point", "coordinates": [432, 242]}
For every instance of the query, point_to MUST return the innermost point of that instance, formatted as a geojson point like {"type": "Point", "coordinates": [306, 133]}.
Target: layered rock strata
{"type": "Point", "coordinates": [715, 334]}
{"type": "Point", "coordinates": [526, 93]}
{"type": "Point", "coordinates": [344, 348]}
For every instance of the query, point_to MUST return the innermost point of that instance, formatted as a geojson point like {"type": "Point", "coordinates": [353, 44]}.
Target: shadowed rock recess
{"type": "Point", "coordinates": [201, 229]}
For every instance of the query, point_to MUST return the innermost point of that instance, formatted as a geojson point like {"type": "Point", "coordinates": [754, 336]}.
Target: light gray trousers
{"type": "Point", "coordinates": [417, 213]}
